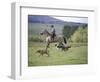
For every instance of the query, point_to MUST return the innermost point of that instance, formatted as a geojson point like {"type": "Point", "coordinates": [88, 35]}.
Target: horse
{"type": "Point", "coordinates": [57, 38]}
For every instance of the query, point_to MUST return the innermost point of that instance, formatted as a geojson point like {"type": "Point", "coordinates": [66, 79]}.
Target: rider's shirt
{"type": "Point", "coordinates": [53, 30]}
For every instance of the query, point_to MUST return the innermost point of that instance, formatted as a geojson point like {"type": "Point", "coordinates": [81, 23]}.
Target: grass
{"type": "Point", "coordinates": [75, 55]}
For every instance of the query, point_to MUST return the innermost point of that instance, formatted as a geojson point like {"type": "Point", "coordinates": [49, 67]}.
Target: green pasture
{"type": "Point", "coordinates": [77, 54]}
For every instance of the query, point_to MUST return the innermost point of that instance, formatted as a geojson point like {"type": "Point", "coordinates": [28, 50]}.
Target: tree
{"type": "Point", "coordinates": [80, 35]}
{"type": "Point", "coordinates": [69, 30]}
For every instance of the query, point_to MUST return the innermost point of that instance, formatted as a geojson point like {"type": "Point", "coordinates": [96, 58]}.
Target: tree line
{"type": "Point", "coordinates": [76, 33]}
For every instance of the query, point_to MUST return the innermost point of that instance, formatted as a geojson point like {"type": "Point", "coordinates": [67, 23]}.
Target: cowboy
{"type": "Point", "coordinates": [53, 34]}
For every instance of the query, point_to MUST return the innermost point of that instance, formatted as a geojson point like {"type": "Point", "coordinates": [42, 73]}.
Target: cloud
{"type": "Point", "coordinates": [73, 19]}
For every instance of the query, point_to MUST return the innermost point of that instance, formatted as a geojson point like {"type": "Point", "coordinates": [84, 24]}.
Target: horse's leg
{"type": "Point", "coordinates": [48, 45]}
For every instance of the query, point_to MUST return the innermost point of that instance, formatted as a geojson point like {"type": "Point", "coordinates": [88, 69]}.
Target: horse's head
{"type": "Point", "coordinates": [41, 33]}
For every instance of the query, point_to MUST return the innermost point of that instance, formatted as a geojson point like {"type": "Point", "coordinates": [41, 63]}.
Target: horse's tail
{"type": "Point", "coordinates": [65, 41]}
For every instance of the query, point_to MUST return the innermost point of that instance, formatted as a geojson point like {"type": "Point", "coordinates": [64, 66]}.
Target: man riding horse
{"type": "Point", "coordinates": [53, 33]}
{"type": "Point", "coordinates": [52, 37]}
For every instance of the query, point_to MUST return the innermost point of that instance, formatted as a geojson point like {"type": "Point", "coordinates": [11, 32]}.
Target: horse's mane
{"type": "Point", "coordinates": [47, 32]}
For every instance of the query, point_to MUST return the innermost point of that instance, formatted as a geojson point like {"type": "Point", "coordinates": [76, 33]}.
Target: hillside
{"type": "Point", "coordinates": [38, 23]}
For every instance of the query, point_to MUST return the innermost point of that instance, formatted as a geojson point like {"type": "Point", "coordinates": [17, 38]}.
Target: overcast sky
{"type": "Point", "coordinates": [74, 19]}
